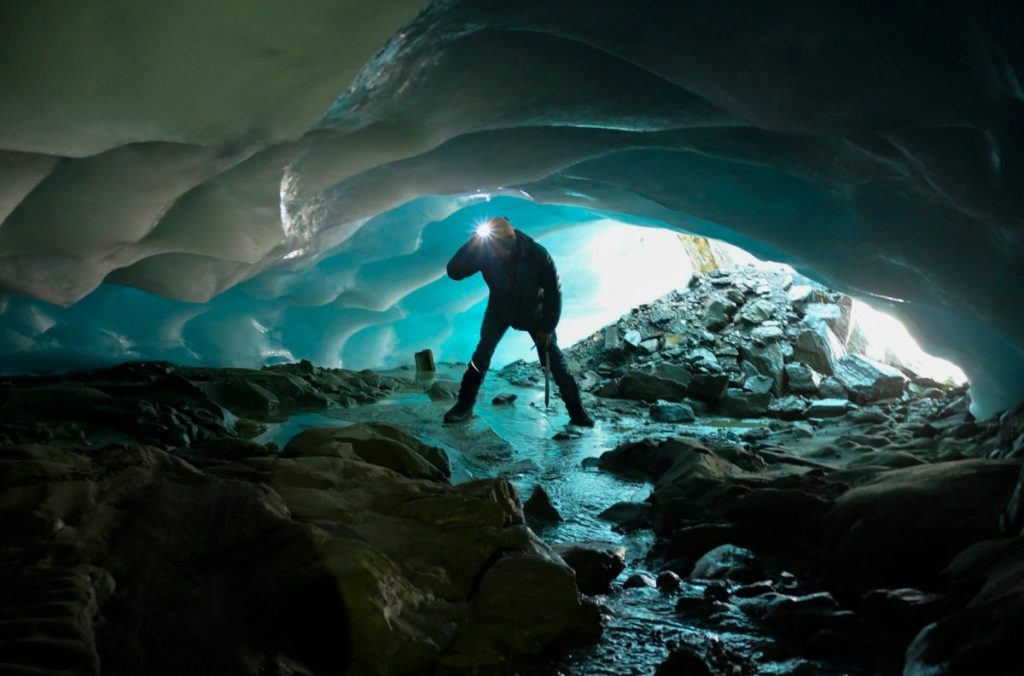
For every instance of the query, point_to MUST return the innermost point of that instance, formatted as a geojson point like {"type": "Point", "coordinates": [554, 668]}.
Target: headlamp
{"type": "Point", "coordinates": [483, 231]}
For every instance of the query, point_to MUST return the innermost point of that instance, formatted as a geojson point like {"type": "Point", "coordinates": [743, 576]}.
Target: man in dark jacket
{"type": "Point", "coordinates": [526, 295]}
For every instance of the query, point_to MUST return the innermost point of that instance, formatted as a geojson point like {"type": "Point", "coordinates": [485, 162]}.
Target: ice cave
{"type": "Point", "coordinates": [477, 337]}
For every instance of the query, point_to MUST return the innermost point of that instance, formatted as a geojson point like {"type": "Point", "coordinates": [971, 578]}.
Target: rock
{"type": "Point", "coordinates": [729, 562]}
{"type": "Point", "coordinates": [768, 360]}
{"type": "Point", "coordinates": [801, 379]}
{"type": "Point", "coordinates": [650, 346]}
{"type": "Point", "coordinates": [596, 564]}
{"type": "Point", "coordinates": [639, 581]}
{"type": "Point", "coordinates": [897, 615]}
{"type": "Point", "coordinates": [801, 294]}
{"type": "Point", "coordinates": [443, 390]}
{"type": "Point", "coordinates": [672, 413]}
{"type": "Point", "coordinates": [504, 399]}
{"type": "Point", "coordinates": [867, 380]}
{"type": "Point", "coordinates": [629, 515]}
{"type": "Point", "coordinates": [985, 631]}
{"type": "Point", "coordinates": [818, 347]}
{"type": "Point", "coordinates": [767, 334]}
{"type": "Point", "coordinates": [717, 313]}
{"type": "Point", "coordinates": [757, 312]}
{"type": "Point", "coordinates": [661, 314]}
{"type": "Point", "coordinates": [673, 372]}
{"type": "Point", "coordinates": [708, 386]}
{"type": "Point", "coordinates": [827, 408]}
{"type": "Point", "coordinates": [375, 443]}
{"type": "Point", "coordinates": [692, 542]}
{"type": "Point", "coordinates": [610, 390]}
{"type": "Point", "coordinates": [758, 384]}
{"type": "Point", "coordinates": [703, 358]}
{"type": "Point", "coordinates": [632, 338]}
{"type": "Point", "coordinates": [711, 658]}
{"type": "Point", "coordinates": [902, 527]}
{"type": "Point", "coordinates": [539, 509]}
{"type": "Point", "coordinates": [830, 388]}
{"type": "Point", "coordinates": [832, 315]}
{"type": "Point", "coordinates": [648, 387]}
{"type": "Point", "coordinates": [790, 407]}
{"type": "Point", "coordinates": [739, 404]}
{"type": "Point", "coordinates": [684, 661]}
{"type": "Point", "coordinates": [668, 581]}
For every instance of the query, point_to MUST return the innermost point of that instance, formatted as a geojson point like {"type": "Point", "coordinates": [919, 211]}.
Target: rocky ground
{"type": "Point", "coordinates": [807, 511]}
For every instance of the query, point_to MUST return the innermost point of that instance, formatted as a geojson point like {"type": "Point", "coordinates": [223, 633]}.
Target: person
{"type": "Point", "coordinates": [525, 294]}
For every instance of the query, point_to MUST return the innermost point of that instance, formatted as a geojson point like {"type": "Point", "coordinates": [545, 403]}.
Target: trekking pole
{"type": "Point", "coordinates": [547, 375]}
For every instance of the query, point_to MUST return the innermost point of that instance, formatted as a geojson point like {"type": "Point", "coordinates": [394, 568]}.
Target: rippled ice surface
{"type": "Point", "coordinates": [517, 441]}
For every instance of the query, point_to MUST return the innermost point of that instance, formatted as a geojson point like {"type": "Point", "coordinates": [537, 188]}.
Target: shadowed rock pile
{"type": "Point", "coordinates": [167, 406]}
{"type": "Point", "coordinates": [350, 552]}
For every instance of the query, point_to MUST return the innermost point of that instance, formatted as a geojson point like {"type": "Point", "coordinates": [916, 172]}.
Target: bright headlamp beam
{"type": "Point", "coordinates": [483, 230]}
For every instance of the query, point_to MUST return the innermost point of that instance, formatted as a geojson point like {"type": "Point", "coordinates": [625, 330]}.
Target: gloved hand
{"type": "Point", "coordinates": [542, 339]}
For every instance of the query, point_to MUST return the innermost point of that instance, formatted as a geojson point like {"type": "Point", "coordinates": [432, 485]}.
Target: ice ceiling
{"type": "Point", "coordinates": [228, 180]}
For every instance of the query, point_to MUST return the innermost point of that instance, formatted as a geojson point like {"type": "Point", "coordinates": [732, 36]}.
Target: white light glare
{"type": "Point", "coordinates": [483, 230]}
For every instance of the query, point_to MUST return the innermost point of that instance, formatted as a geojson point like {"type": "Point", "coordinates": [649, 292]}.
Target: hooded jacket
{"type": "Point", "coordinates": [525, 290]}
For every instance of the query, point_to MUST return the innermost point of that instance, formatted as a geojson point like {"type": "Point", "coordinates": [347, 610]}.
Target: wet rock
{"type": "Point", "coordinates": [684, 661]}
{"type": "Point", "coordinates": [629, 515]}
{"type": "Point", "coordinates": [610, 390]}
{"type": "Point", "coordinates": [504, 399]}
{"type": "Point", "coordinates": [539, 509]}
{"type": "Point", "coordinates": [767, 333]}
{"type": "Point", "coordinates": [442, 390]}
{"type": "Point", "coordinates": [704, 358]}
{"type": "Point", "coordinates": [596, 564]}
{"type": "Point", "coordinates": [708, 386]}
{"type": "Point", "coordinates": [648, 387]}
{"type": "Point", "coordinates": [375, 443]}
{"type": "Point", "coordinates": [718, 312]}
{"type": "Point", "coordinates": [835, 317]}
{"type": "Point", "coordinates": [672, 413]}
{"type": "Point", "coordinates": [668, 581]}
{"type": "Point", "coordinates": [866, 380]}
{"type": "Point", "coordinates": [754, 589]}
{"type": "Point", "coordinates": [896, 616]}
{"type": "Point", "coordinates": [902, 527]}
{"type": "Point", "coordinates": [639, 581]}
{"type": "Point", "coordinates": [827, 408]}
{"type": "Point", "coordinates": [692, 542]}
{"type": "Point", "coordinates": [711, 658]}
{"type": "Point", "coordinates": [729, 562]}
{"type": "Point", "coordinates": [806, 618]}
{"type": "Point", "coordinates": [986, 630]}
{"type": "Point", "coordinates": [740, 404]}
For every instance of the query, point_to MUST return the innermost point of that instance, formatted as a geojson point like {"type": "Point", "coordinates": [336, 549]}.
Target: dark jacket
{"type": "Point", "coordinates": [525, 291]}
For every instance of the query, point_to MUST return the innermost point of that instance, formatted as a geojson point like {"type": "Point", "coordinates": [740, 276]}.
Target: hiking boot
{"type": "Point", "coordinates": [463, 408]}
{"type": "Point", "coordinates": [581, 419]}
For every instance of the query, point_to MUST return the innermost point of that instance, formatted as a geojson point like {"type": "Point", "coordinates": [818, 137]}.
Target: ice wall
{"type": "Point", "coordinates": [369, 302]}
{"type": "Point", "coordinates": [197, 152]}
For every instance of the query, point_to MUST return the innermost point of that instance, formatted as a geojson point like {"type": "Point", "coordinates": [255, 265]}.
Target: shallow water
{"type": "Point", "coordinates": [517, 441]}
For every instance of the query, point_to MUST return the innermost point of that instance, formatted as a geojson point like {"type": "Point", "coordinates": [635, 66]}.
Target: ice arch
{"type": "Point", "coordinates": [185, 151]}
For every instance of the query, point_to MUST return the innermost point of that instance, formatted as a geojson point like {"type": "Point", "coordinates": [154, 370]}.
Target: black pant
{"type": "Point", "coordinates": [491, 332]}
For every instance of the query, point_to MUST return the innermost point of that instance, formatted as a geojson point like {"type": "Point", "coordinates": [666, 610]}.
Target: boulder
{"type": "Point", "coordinates": [830, 388]}
{"type": "Point", "coordinates": [539, 509]}
{"type": "Point", "coordinates": [648, 387]}
{"type": "Point", "coordinates": [633, 338]}
{"type": "Point", "coordinates": [668, 581]}
{"type": "Point", "coordinates": [672, 413]}
{"type": "Point", "coordinates": [758, 384]}
{"type": "Point", "coordinates": [673, 372]}
{"type": "Point", "coordinates": [902, 527]}
{"type": "Point", "coordinates": [827, 408]}
{"type": "Point", "coordinates": [718, 312]}
{"type": "Point", "coordinates": [596, 564]}
{"type": "Point", "coordinates": [442, 390]}
{"type": "Point", "coordinates": [702, 357]}
{"type": "Point", "coordinates": [708, 386]}
{"type": "Point", "coordinates": [801, 379]}
{"type": "Point", "coordinates": [867, 380]}
{"type": "Point", "coordinates": [790, 407]}
{"type": "Point", "coordinates": [767, 333]}
{"type": "Point", "coordinates": [738, 403]}
{"type": "Point", "coordinates": [768, 360]}
{"type": "Point", "coordinates": [758, 311]}
{"type": "Point", "coordinates": [639, 581]}
{"type": "Point", "coordinates": [728, 562]}
{"type": "Point", "coordinates": [817, 346]}
{"type": "Point", "coordinates": [505, 399]}
{"type": "Point", "coordinates": [629, 515]}
{"type": "Point", "coordinates": [835, 316]}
